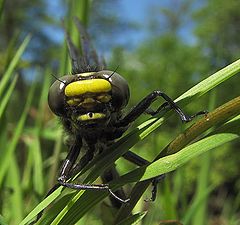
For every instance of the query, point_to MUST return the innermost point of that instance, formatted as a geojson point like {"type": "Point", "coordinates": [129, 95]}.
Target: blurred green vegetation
{"type": "Point", "coordinates": [204, 191]}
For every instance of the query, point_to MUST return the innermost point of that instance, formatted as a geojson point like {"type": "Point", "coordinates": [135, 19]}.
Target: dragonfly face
{"type": "Point", "coordinates": [90, 97]}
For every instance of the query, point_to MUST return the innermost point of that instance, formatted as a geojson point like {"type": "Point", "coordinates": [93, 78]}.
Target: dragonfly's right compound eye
{"type": "Point", "coordinates": [56, 95]}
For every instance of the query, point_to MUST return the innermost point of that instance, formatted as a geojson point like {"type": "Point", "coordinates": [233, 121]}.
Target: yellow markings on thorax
{"type": "Point", "coordinates": [87, 86]}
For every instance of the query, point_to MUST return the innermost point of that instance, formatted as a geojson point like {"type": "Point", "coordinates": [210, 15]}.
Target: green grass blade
{"type": "Point", "coordinates": [27, 172]}
{"type": "Point", "coordinates": [134, 219]}
{"type": "Point", "coordinates": [42, 100]}
{"type": "Point", "coordinates": [7, 96]}
{"type": "Point", "coordinates": [81, 10]}
{"type": "Point", "coordinates": [200, 213]}
{"type": "Point", "coordinates": [11, 147]}
{"type": "Point", "coordinates": [174, 161]}
{"type": "Point", "coordinates": [168, 200]}
{"type": "Point", "coordinates": [190, 213]}
{"type": "Point", "coordinates": [15, 199]}
{"type": "Point", "coordinates": [211, 82]}
{"type": "Point", "coordinates": [41, 206]}
{"type": "Point", "coordinates": [38, 178]}
{"type": "Point", "coordinates": [79, 205]}
{"type": "Point", "coordinates": [53, 212]}
{"type": "Point", "coordinates": [13, 63]}
{"type": "Point", "coordinates": [37, 165]}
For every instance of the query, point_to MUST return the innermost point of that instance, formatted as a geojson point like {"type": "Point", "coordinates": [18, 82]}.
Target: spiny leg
{"type": "Point", "coordinates": [143, 106]}
{"type": "Point", "coordinates": [66, 171]}
{"type": "Point", "coordinates": [166, 105]}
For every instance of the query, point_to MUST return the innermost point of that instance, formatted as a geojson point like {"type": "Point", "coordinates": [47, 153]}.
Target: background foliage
{"type": "Point", "coordinates": [172, 57]}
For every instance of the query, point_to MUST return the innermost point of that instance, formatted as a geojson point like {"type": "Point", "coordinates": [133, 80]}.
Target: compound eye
{"type": "Point", "coordinates": [56, 95]}
{"type": "Point", "coordinates": [120, 89]}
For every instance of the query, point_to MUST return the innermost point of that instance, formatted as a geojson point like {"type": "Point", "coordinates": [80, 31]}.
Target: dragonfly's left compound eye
{"type": "Point", "coordinates": [56, 95]}
{"type": "Point", "coordinates": [120, 89]}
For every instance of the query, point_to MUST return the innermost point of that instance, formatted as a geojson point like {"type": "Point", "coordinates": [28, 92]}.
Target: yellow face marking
{"type": "Point", "coordinates": [104, 98]}
{"type": "Point", "coordinates": [73, 101]}
{"type": "Point", "coordinates": [91, 116]}
{"type": "Point", "coordinates": [83, 86]}
{"type": "Point", "coordinates": [88, 103]}
{"type": "Point", "coordinates": [88, 100]}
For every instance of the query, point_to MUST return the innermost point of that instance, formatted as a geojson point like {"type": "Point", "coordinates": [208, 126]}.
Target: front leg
{"type": "Point", "coordinates": [68, 170]}
{"type": "Point", "coordinates": [70, 160]}
{"type": "Point", "coordinates": [143, 106]}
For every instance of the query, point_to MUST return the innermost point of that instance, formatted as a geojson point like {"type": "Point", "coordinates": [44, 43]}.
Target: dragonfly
{"type": "Point", "coordinates": [89, 103]}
